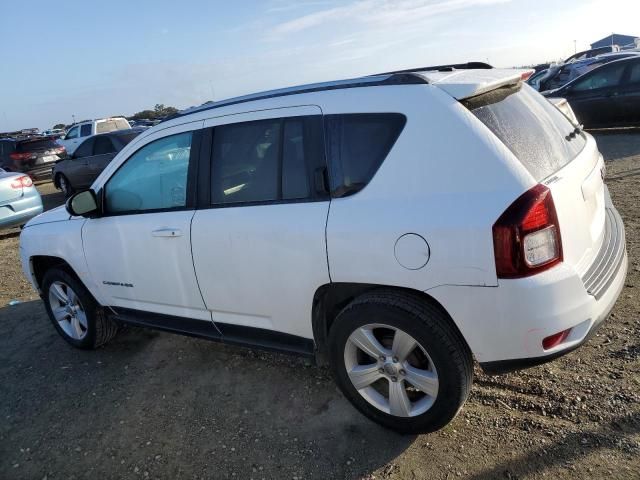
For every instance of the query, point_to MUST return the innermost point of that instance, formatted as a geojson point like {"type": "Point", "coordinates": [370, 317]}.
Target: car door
{"type": "Point", "coordinates": [103, 152]}
{"type": "Point", "coordinates": [628, 96]}
{"type": "Point", "coordinates": [75, 168]}
{"type": "Point", "coordinates": [258, 237]}
{"type": "Point", "coordinates": [590, 96]}
{"type": "Point", "coordinates": [71, 140]}
{"type": "Point", "coordinates": [139, 250]}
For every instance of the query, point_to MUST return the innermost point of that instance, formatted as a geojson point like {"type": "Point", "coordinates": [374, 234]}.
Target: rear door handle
{"type": "Point", "coordinates": [167, 232]}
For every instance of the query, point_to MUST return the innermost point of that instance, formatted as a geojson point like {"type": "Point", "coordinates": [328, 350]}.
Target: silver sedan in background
{"type": "Point", "coordinates": [19, 199]}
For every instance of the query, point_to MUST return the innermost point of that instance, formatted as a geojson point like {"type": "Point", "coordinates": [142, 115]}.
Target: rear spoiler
{"type": "Point", "coordinates": [461, 84]}
{"type": "Point", "coordinates": [444, 68]}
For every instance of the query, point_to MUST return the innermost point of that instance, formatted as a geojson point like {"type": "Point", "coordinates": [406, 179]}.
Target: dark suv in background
{"type": "Point", "coordinates": [33, 156]}
{"type": "Point", "coordinates": [78, 171]}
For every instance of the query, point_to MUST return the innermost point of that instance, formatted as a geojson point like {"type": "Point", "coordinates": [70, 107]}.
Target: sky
{"type": "Point", "coordinates": [82, 59]}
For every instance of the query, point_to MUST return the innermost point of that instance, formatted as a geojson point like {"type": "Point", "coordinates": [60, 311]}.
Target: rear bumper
{"type": "Point", "coordinates": [20, 211]}
{"type": "Point", "coordinates": [505, 325]}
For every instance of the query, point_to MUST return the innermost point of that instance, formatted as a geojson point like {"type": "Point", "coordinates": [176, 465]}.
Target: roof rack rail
{"type": "Point", "coordinates": [444, 68]}
{"type": "Point", "coordinates": [393, 78]}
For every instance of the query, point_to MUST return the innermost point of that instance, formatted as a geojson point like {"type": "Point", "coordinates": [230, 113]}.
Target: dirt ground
{"type": "Point", "coordinates": [155, 405]}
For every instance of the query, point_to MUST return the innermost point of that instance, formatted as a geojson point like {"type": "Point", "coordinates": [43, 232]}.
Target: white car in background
{"type": "Point", "coordinates": [78, 132]}
{"type": "Point", "coordinates": [396, 225]}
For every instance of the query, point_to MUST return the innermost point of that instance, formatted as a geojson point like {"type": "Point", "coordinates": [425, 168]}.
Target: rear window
{"type": "Point", "coordinates": [125, 138]}
{"type": "Point", "coordinates": [357, 144]}
{"type": "Point", "coordinates": [36, 145]}
{"type": "Point", "coordinates": [531, 127]}
{"type": "Point", "coordinates": [111, 125]}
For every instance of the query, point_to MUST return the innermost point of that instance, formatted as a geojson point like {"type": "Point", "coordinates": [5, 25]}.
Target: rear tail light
{"type": "Point", "coordinates": [526, 237]}
{"type": "Point", "coordinates": [527, 74]}
{"type": "Point", "coordinates": [22, 182]}
{"type": "Point", "coordinates": [556, 339]}
{"type": "Point", "coordinates": [20, 156]}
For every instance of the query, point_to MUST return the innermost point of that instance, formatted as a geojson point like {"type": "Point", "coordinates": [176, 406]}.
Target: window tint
{"type": "Point", "coordinates": [154, 177]}
{"type": "Point", "coordinates": [85, 149]}
{"type": "Point", "coordinates": [123, 138]}
{"type": "Point", "coordinates": [85, 130]}
{"type": "Point", "coordinates": [531, 127]}
{"type": "Point", "coordinates": [607, 76]}
{"type": "Point", "coordinates": [103, 145]}
{"type": "Point", "coordinates": [634, 73]}
{"type": "Point", "coordinates": [73, 133]}
{"type": "Point", "coordinates": [245, 162]}
{"type": "Point", "coordinates": [266, 160]}
{"type": "Point", "coordinates": [357, 144]}
{"type": "Point", "coordinates": [37, 145]}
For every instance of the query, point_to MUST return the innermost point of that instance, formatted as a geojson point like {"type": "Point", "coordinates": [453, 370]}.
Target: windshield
{"type": "Point", "coordinates": [537, 133]}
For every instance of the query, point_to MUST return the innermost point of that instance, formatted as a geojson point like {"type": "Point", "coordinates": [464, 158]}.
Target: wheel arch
{"type": "Point", "coordinates": [39, 264]}
{"type": "Point", "coordinates": [330, 299]}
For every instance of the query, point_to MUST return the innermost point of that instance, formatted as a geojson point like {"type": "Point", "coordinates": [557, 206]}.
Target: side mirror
{"type": "Point", "coordinates": [83, 204]}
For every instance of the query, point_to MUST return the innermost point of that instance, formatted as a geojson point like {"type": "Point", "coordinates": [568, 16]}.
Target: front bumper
{"type": "Point", "coordinates": [505, 325]}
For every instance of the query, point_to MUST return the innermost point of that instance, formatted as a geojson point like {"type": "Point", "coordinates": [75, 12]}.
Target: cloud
{"type": "Point", "coordinates": [377, 13]}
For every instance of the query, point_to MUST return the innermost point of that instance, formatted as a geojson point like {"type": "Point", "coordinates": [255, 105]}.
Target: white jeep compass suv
{"type": "Point", "coordinates": [396, 226]}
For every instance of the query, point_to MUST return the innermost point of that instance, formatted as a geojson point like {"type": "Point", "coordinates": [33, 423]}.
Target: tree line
{"type": "Point", "coordinates": [159, 111]}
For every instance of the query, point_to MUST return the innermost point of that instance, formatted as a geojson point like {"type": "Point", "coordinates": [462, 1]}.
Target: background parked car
{"type": "Point", "coordinates": [19, 199]}
{"type": "Point", "coordinates": [34, 156]}
{"type": "Point", "coordinates": [594, 52]}
{"type": "Point", "coordinates": [76, 133]}
{"type": "Point", "coordinates": [608, 96]}
{"type": "Point", "coordinates": [559, 75]}
{"type": "Point", "coordinates": [90, 158]}
{"type": "Point", "coordinates": [54, 133]}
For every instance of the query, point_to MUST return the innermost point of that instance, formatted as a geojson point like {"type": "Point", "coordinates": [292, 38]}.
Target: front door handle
{"type": "Point", "coordinates": [167, 232]}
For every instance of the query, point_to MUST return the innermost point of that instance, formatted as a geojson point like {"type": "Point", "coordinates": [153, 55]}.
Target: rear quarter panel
{"type": "Point", "coordinates": [445, 179]}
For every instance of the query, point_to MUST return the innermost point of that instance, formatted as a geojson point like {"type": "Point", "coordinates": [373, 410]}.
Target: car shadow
{"type": "Point", "coordinates": [52, 200]}
{"type": "Point", "coordinates": [618, 144]}
{"type": "Point", "coordinates": [185, 404]}
{"type": "Point", "coordinates": [568, 449]}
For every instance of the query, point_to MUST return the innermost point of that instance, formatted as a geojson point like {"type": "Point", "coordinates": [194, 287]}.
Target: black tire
{"type": "Point", "coordinates": [433, 329]}
{"type": "Point", "coordinates": [100, 329]}
{"type": "Point", "coordinates": [64, 185]}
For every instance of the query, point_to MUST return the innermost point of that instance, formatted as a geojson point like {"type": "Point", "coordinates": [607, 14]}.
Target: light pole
{"type": "Point", "coordinates": [575, 50]}
{"type": "Point", "coordinates": [74, 118]}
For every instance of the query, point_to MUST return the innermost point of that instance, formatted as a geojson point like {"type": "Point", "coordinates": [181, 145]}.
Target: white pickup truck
{"type": "Point", "coordinates": [79, 131]}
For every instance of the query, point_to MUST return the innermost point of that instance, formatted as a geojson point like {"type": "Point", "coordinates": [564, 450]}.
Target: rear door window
{"type": "Point", "coordinates": [530, 126]}
{"type": "Point", "coordinates": [85, 149]}
{"type": "Point", "coordinates": [102, 146]}
{"type": "Point", "coordinates": [604, 77]}
{"type": "Point", "coordinates": [266, 161]}
{"type": "Point", "coordinates": [357, 144]}
{"type": "Point", "coordinates": [85, 130]}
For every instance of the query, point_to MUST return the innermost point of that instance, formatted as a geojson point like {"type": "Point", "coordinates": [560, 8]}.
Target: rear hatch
{"type": "Point", "coordinates": [37, 151]}
{"type": "Point", "coordinates": [557, 154]}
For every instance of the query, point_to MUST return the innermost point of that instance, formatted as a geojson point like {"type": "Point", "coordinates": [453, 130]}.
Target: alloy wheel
{"type": "Point", "coordinates": [67, 310]}
{"type": "Point", "coordinates": [391, 370]}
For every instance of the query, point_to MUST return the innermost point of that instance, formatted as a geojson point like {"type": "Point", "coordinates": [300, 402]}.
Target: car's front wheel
{"type": "Point", "coordinates": [399, 360]}
{"type": "Point", "coordinates": [64, 185]}
{"type": "Point", "coordinates": [75, 314]}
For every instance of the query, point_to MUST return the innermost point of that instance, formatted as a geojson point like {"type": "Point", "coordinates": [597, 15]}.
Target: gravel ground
{"type": "Point", "coordinates": [155, 405]}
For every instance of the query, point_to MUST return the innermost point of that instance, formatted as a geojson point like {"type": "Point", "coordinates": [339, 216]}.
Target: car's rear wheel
{"type": "Point", "coordinates": [399, 360]}
{"type": "Point", "coordinates": [75, 314]}
{"type": "Point", "coordinates": [65, 186]}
